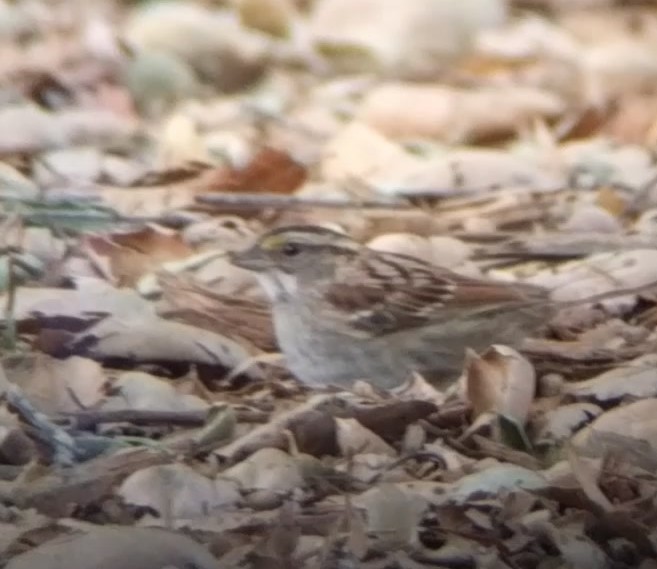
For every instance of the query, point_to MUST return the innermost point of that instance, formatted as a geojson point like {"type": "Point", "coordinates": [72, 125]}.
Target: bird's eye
{"type": "Point", "coordinates": [290, 249]}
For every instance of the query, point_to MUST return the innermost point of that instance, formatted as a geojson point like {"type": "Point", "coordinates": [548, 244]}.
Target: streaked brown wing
{"type": "Point", "coordinates": [382, 293]}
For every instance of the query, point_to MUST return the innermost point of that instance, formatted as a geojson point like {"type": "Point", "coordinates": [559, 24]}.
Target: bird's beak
{"type": "Point", "coordinates": [252, 259]}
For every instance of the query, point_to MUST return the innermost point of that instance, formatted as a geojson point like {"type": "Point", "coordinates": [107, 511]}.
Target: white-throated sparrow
{"type": "Point", "coordinates": [344, 312]}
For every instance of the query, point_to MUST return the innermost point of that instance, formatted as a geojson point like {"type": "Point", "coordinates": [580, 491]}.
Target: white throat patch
{"type": "Point", "coordinates": [278, 285]}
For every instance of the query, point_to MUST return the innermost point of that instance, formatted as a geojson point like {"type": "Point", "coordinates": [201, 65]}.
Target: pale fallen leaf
{"type": "Point", "coordinates": [268, 469]}
{"type": "Point", "coordinates": [467, 169]}
{"type": "Point", "coordinates": [111, 547]}
{"type": "Point", "coordinates": [451, 253]}
{"type": "Point", "coordinates": [360, 152]}
{"type": "Point", "coordinates": [491, 481]}
{"type": "Point", "coordinates": [180, 143]}
{"type": "Point", "coordinates": [637, 420]}
{"type": "Point", "coordinates": [419, 389]}
{"type": "Point", "coordinates": [636, 378]}
{"type": "Point", "coordinates": [600, 273]}
{"type": "Point", "coordinates": [81, 165]}
{"type": "Point", "coordinates": [92, 299]}
{"type": "Point", "coordinates": [140, 390]}
{"type": "Point", "coordinates": [59, 386]}
{"type": "Point", "coordinates": [26, 128]}
{"type": "Point", "coordinates": [586, 473]}
{"type": "Point", "coordinates": [393, 515]}
{"type": "Point", "coordinates": [157, 340]}
{"type": "Point", "coordinates": [561, 423]}
{"type": "Point", "coordinates": [177, 492]}
{"type": "Point", "coordinates": [403, 244]}
{"type": "Point", "coordinates": [455, 115]}
{"type": "Point", "coordinates": [591, 218]}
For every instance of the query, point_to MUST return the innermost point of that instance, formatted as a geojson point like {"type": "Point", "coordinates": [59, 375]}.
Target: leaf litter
{"type": "Point", "coordinates": [148, 419]}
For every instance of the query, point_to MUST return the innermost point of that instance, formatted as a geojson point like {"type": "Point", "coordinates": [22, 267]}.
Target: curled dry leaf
{"type": "Point", "coordinates": [500, 381]}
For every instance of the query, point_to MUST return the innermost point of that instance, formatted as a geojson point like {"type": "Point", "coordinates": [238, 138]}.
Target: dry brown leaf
{"type": "Point", "coordinates": [270, 170]}
{"type": "Point", "coordinates": [131, 255]}
{"type": "Point", "coordinates": [59, 386]}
